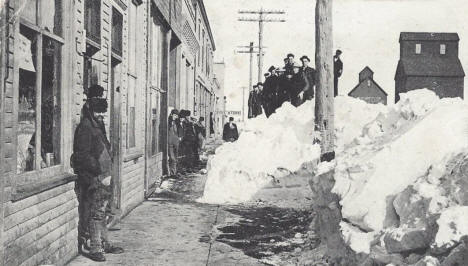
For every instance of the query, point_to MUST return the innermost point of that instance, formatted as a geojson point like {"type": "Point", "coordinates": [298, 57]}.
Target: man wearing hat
{"type": "Point", "coordinates": [189, 140]}
{"type": "Point", "coordinates": [337, 70]}
{"type": "Point", "coordinates": [92, 162]}
{"type": "Point", "coordinates": [297, 85]}
{"type": "Point", "coordinates": [290, 64]}
{"type": "Point", "coordinates": [175, 136]}
{"type": "Point", "coordinates": [270, 92]}
{"type": "Point", "coordinates": [308, 74]}
{"type": "Point", "coordinates": [258, 100]}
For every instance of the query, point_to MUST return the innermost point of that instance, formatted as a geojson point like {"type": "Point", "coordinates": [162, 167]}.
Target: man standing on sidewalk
{"type": "Point", "coordinates": [175, 136]}
{"type": "Point", "coordinates": [92, 162]}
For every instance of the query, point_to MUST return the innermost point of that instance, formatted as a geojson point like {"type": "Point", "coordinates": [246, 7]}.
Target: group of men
{"type": "Point", "coordinates": [186, 140]}
{"type": "Point", "coordinates": [293, 83]}
{"type": "Point", "coordinates": [92, 162]}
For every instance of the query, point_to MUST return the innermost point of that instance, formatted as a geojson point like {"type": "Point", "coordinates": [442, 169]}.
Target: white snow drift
{"type": "Point", "coordinates": [381, 151]}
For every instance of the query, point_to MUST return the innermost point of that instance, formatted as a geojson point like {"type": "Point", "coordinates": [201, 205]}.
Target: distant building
{"type": "Point", "coordinates": [429, 60]}
{"type": "Point", "coordinates": [368, 90]}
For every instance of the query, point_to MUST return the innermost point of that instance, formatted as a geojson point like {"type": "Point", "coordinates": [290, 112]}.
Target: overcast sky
{"type": "Point", "coordinates": [367, 31]}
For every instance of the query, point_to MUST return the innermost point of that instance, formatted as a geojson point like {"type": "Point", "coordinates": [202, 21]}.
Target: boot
{"type": "Point", "coordinates": [97, 256]}
{"type": "Point", "coordinates": [109, 248]}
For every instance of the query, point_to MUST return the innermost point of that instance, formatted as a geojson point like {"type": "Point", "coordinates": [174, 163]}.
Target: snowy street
{"type": "Point", "coordinates": [170, 228]}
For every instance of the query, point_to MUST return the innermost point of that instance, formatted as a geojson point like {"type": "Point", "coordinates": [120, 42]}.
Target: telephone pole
{"type": "Point", "coordinates": [262, 18]}
{"type": "Point", "coordinates": [324, 100]}
{"type": "Point", "coordinates": [251, 51]}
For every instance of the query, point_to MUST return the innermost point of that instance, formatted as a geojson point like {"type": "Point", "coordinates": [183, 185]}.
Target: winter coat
{"type": "Point", "coordinates": [337, 68]}
{"type": "Point", "coordinates": [175, 133]}
{"type": "Point", "coordinates": [308, 74]}
{"type": "Point", "coordinates": [189, 132]}
{"type": "Point", "coordinates": [230, 134]}
{"type": "Point", "coordinates": [270, 90]}
{"type": "Point", "coordinates": [91, 151]}
{"type": "Point", "coordinates": [296, 85]}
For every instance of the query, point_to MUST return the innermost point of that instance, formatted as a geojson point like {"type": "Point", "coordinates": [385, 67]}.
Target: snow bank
{"type": "Point", "coordinates": [415, 138]}
{"type": "Point", "coordinates": [284, 141]}
{"type": "Point", "coordinates": [453, 224]}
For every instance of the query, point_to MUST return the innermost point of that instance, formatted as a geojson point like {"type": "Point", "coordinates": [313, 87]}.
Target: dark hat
{"type": "Point", "coordinates": [231, 118]}
{"type": "Point", "coordinates": [260, 84]}
{"type": "Point", "coordinates": [305, 57]}
{"type": "Point", "coordinates": [290, 55]}
{"type": "Point", "coordinates": [95, 91]}
{"type": "Point", "coordinates": [286, 59]}
{"type": "Point", "coordinates": [271, 68]}
{"type": "Point", "coordinates": [174, 112]}
{"type": "Point", "coordinates": [183, 113]}
{"type": "Point", "coordinates": [266, 74]}
{"type": "Point", "coordinates": [254, 86]}
{"type": "Point", "coordinates": [338, 52]}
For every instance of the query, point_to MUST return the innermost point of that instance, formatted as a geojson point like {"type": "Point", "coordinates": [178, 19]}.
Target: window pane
{"type": "Point", "coordinates": [93, 20]}
{"type": "Point", "coordinates": [50, 111]}
{"type": "Point", "coordinates": [27, 127]}
{"type": "Point", "coordinates": [131, 114]}
{"type": "Point", "coordinates": [51, 15]}
{"type": "Point", "coordinates": [116, 32]}
{"type": "Point", "coordinates": [418, 48]}
{"type": "Point", "coordinates": [29, 10]}
{"type": "Point", "coordinates": [132, 38]}
{"type": "Point", "coordinates": [442, 49]}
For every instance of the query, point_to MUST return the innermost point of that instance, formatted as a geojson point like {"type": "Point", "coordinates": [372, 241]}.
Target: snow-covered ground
{"type": "Point", "coordinates": [381, 151]}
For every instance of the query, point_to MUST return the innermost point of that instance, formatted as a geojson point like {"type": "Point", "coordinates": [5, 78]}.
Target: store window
{"type": "Point", "coordinates": [39, 86]}
{"type": "Point", "coordinates": [92, 21]}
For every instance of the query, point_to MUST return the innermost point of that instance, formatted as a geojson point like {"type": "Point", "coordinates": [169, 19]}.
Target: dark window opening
{"type": "Point", "coordinates": [116, 34]}
{"type": "Point", "coordinates": [92, 20]}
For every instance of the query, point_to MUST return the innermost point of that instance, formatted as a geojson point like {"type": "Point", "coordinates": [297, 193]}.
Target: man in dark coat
{"type": "Point", "coordinates": [297, 84]}
{"type": "Point", "coordinates": [250, 102]}
{"type": "Point", "coordinates": [230, 133]}
{"type": "Point", "coordinates": [270, 92]}
{"type": "Point", "coordinates": [92, 162]}
{"type": "Point", "coordinates": [258, 100]}
{"type": "Point", "coordinates": [189, 140]}
{"type": "Point", "coordinates": [174, 136]}
{"type": "Point", "coordinates": [337, 69]}
{"type": "Point", "coordinates": [308, 74]}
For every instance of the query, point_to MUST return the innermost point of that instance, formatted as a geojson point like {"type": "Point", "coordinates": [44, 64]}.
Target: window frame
{"type": "Point", "coordinates": [132, 144]}
{"type": "Point", "coordinates": [418, 48]}
{"type": "Point", "coordinates": [92, 40]}
{"type": "Point", "coordinates": [443, 47]}
{"type": "Point", "coordinates": [39, 178]}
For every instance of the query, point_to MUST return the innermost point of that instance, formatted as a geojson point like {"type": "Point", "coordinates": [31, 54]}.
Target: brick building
{"type": "Point", "coordinates": [368, 90]}
{"type": "Point", "coordinates": [144, 55]}
{"type": "Point", "coordinates": [429, 60]}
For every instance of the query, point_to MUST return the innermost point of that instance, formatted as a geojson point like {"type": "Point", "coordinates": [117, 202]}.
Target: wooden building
{"type": "Point", "coordinates": [429, 60]}
{"type": "Point", "coordinates": [141, 52]}
{"type": "Point", "coordinates": [368, 90]}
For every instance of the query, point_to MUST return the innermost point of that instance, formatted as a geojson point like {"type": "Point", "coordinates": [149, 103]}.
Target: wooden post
{"type": "Point", "coordinates": [324, 110]}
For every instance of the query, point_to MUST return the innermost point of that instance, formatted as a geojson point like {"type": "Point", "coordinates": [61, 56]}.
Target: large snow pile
{"type": "Point", "coordinates": [391, 179]}
{"type": "Point", "coordinates": [284, 141]}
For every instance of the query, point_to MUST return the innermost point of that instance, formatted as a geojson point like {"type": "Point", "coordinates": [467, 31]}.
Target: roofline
{"type": "Point", "coordinates": [378, 86]}
{"type": "Point", "coordinates": [425, 39]}
{"type": "Point", "coordinates": [207, 22]}
{"type": "Point", "coordinates": [431, 76]}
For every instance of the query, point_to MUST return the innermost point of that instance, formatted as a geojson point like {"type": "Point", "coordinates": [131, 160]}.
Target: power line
{"type": "Point", "coordinates": [261, 19]}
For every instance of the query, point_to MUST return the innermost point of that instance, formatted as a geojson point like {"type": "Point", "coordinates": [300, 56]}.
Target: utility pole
{"type": "Point", "coordinates": [324, 109]}
{"type": "Point", "coordinates": [262, 18]}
